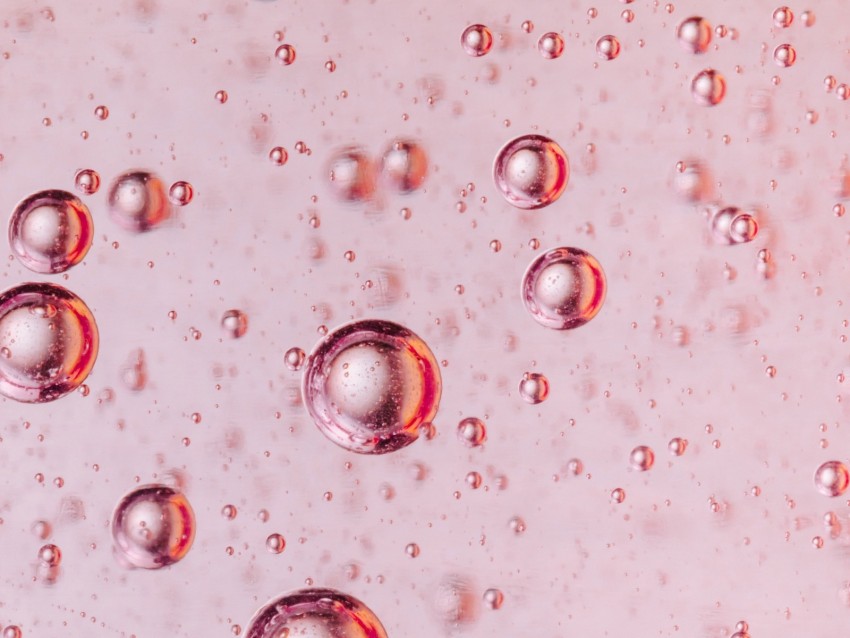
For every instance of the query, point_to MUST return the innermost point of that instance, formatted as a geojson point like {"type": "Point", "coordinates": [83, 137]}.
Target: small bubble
{"type": "Point", "coordinates": [234, 323]}
{"type": "Point", "coordinates": [642, 458]}
{"type": "Point", "coordinates": [677, 446]}
{"type": "Point", "coordinates": [832, 478]}
{"type": "Point", "coordinates": [181, 193]}
{"type": "Point", "coordinates": [783, 17]}
{"type": "Point", "coordinates": [808, 18]}
{"type": "Point", "coordinates": [285, 54]}
{"type": "Point", "coordinates": [477, 40]}
{"type": "Point", "coordinates": [87, 181]}
{"type": "Point", "coordinates": [275, 543]}
{"type": "Point", "coordinates": [551, 45]}
{"type": "Point", "coordinates": [495, 245]}
{"type": "Point", "coordinates": [534, 387]}
{"type": "Point", "coordinates": [349, 256]}
{"type": "Point", "coordinates": [101, 112]}
{"type": "Point", "coordinates": [517, 525]}
{"type": "Point", "coordinates": [12, 631]}
{"type": "Point", "coordinates": [50, 555]}
{"type": "Point", "coordinates": [785, 55]}
{"type": "Point", "coordinates": [474, 480]}
{"type": "Point", "coordinates": [221, 96]}
{"type": "Point", "coordinates": [330, 66]}
{"type": "Point", "coordinates": [229, 512]}
{"type": "Point", "coordinates": [743, 228]}
{"type": "Point", "coordinates": [695, 34]}
{"type": "Point", "coordinates": [472, 432]}
{"type": "Point", "coordinates": [351, 174]}
{"type": "Point", "coordinates": [531, 171]}
{"type": "Point", "coordinates": [278, 156]}
{"type": "Point", "coordinates": [138, 202]}
{"type": "Point", "coordinates": [608, 47]}
{"type": "Point", "coordinates": [42, 529]}
{"type": "Point", "coordinates": [493, 599]}
{"type": "Point", "coordinates": [708, 87]}
{"type": "Point", "coordinates": [404, 166]}
{"type": "Point", "coordinates": [294, 359]}
{"type": "Point", "coordinates": [412, 550]}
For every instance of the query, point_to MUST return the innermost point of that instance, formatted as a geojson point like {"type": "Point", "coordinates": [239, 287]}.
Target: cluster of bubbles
{"type": "Point", "coordinates": [731, 225]}
{"type": "Point", "coordinates": [315, 612]}
{"type": "Point", "coordinates": [708, 87]}
{"type": "Point", "coordinates": [477, 40]}
{"type": "Point", "coordinates": [353, 176]}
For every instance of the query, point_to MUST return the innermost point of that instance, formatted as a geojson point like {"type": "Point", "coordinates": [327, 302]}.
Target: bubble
{"type": "Point", "coordinates": [608, 47]}
{"type": "Point", "coordinates": [50, 231]}
{"type": "Point", "coordinates": [476, 40]}
{"type": "Point", "coordinates": [708, 87]}
{"type": "Point", "coordinates": [87, 181]}
{"type": "Point", "coordinates": [534, 387]}
{"type": "Point", "coordinates": [692, 181]}
{"type": "Point", "coordinates": [234, 322]}
{"type": "Point", "coordinates": [564, 288]}
{"type": "Point", "coordinates": [221, 96]}
{"type": "Point", "coordinates": [317, 613]}
{"type": "Point", "coordinates": [412, 550]}
{"type": "Point", "coordinates": [473, 479]}
{"type": "Point", "coordinates": [285, 54]}
{"type": "Point", "coordinates": [137, 201]}
{"type": "Point", "coordinates": [551, 45]}
{"type": "Point", "coordinates": [101, 112]}
{"type": "Point", "coordinates": [12, 631]}
{"type": "Point", "coordinates": [49, 342]}
{"type": "Point", "coordinates": [278, 156]}
{"type": "Point", "coordinates": [370, 385]}
{"type": "Point", "coordinates": [642, 458]}
{"type": "Point", "coordinates": [677, 446]}
{"type": "Point", "coordinates": [351, 174]}
{"type": "Point", "coordinates": [785, 55]}
{"type": "Point", "coordinates": [743, 229]}
{"type": "Point", "coordinates": [618, 495]}
{"type": "Point", "coordinates": [228, 511]}
{"type": "Point", "coordinates": [472, 432]}
{"type": "Point", "coordinates": [531, 171]}
{"type": "Point", "coordinates": [783, 17]}
{"type": "Point", "coordinates": [808, 18]}
{"type": "Point", "coordinates": [404, 166]}
{"type": "Point", "coordinates": [153, 526]}
{"type": "Point", "coordinates": [832, 478]}
{"type": "Point", "coordinates": [455, 602]}
{"type": "Point", "coordinates": [493, 599]}
{"type": "Point", "coordinates": [275, 543]}
{"type": "Point", "coordinates": [695, 34]}
{"type": "Point", "coordinates": [50, 555]}
{"type": "Point", "coordinates": [181, 193]}
{"type": "Point", "coordinates": [41, 529]}
{"type": "Point", "coordinates": [294, 359]}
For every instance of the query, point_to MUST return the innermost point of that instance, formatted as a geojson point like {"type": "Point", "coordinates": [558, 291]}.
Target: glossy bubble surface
{"type": "Point", "coordinates": [832, 478]}
{"type": "Point", "coordinates": [152, 527]}
{"type": "Point", "coordinates": [564, 288]}
{"type": "Point", "coordinates": [315, 613]}
{"type": "Point", "coordinates": [370, 385]}
{"type": "Point", "coordinates": [48, 342]}
{"type": "Point", "coordinates": [404, 166]}
{"type": "Point", "coordinates": [708, 87]}
{"type": "Point", "coordinates": [476, 40]}
{"type": "Point", "coordinates": [531, 171]}
{"type": "Point", "coordinates": [50, 231]}
{"type": "Point", "coordinates": [694, 34]}
{"type": "Point", "coordinates": [351, 174]}
{"type": "Point", "coordinates": [138, 201]}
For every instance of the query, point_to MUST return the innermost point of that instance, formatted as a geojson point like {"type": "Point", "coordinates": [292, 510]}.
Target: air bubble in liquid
{"type": "Point", "coordinates": [48, 342]}
{"type": "Point", "coordinates": [370, 385]}
{"type": "Point", "coordinates": [472, 432]}
{"type": "Point", "coordinates": [477, 40]}
{"type": "Point", "coordinates": [404, 166]}
{"type": "Point", "coordinates": [50, 231]}
{"type": "Point", "coordinates": [181, 193]}
{"type": "Point", "coordinates": [153, 526]}
{"type": "Point", "coordinates": [642, 458]}
{"type": "Point", "coordinates": [785, 55]}
{"type": "Point", "coordinates": [351, 174]}
{"type": "Point", "coordinates": [275, 543]}
{"type": "Point", "coordinates": [551, 45]}
{"type": "Point", "coordinates": [531, 171]}
{"type": "Point", "coordinates": [832, 478]}
{"type": "Point", "coordinates": [783, 17]}
{"type": "Point", "coordinates": [138, 202]}
{"type": "Point", "coordinates": [294, 358]}
{"type": "Point", "coordinates": [234, 322]}
{"type": "Point", "coordinates": [564, 288]}
{"type": "Point", "coordinates": [708, 87]}
{"type": "Point", "coordinates": [87, 181]}
{"type": "Point", "coordinates": [695, 34]}
{"type": "Point", "coordinates": [608, 47]}
{"type": "Point", "coordinates": [317, 613]}
{"type": "Point", "coordinates": [285, 54]}
{"type": "Point", "coordinates": [534, 387]}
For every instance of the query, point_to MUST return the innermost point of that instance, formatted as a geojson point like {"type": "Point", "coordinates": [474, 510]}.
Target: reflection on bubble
{"type": "Point", "coordinates": [370, 385]}
{"type": "Point", "coordinates": [642, 458]}
{"type": "Point", "coordinates": [181, 193]}
{"type": "Point", "coordinates": [351, 175]}
{"type": "Point", "coordinates": [285, 54]}
{"type": "Point", "coordinates": [531, 171]}
{"type": "Point", "coordinates": [50, 231]}
{"type": "Point", "coordinates": [477, 40]}
{"type": "Point", "coordinates": [234, 322]}
{"type": "Point", "coordinates": [564, 288]}
{"type": "Point", "coordinates": [832, 478]}
{"type": "Point", "coordinates": [87, 181]}
{"type": "Point", "coordinates": [48, 342]}
{"type": "Point", "coordinates": [472, 432]}
{"type": "Point", "coordinates": [153, 526]}
{"type": "Point", "coordinates": [608, 47]}
{"type": "Point", "coordinates": [138, 202]}
{"type": "Point", "coordinates": [551, 45]}
{"type": "Point", "coordinates": [785, 55]}
{"type": "Point", "coordinates": [708, 87]}
{"type": "Point", "coordinates": [695, 34]}
{"type": "Point", "coordinates": [315, 613]}
{"type": "Point", "coordinates": [404, 166]}
{"type": "Point", "coordinates": [534, 387]}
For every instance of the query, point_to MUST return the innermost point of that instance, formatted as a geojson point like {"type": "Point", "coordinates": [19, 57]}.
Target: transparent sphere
{"type": "Point", "coordinates": [783, 17]}
{"type": "Point", "coordinates": [608, 47]}
{"type": "Point", "coordinates": [138, 201]}
{"type": "Point", "coordinates": [642, 458]}
{"type": "Point", "coordinates": [181, 193]}
{"type": "Point", "coordinates": [784, 55]}
{"type": "Point", "coordinates": [285, 54]}
{"type": "Point", "coordinates": [472, 432]}
{"type": "Point", "coordinates": [695, 34]}
{"type": "Point", "coordinates": [153, 526]}
{"type": "Point", "coordinates": [50, 231]}
{"type": "Point", "coordinates": [708, 87]}
{"type": "Point", "coordinates": [531, 171]}
{"type": "Point", "coordinates": [832, 478]}
{"type": "Point", "coordinates": [370, 385]}
{"type": "Point", "coordinates": [476, 40]}
{"type": "Point", "coordinates": [87, 181]}
{"type": "Point", "coordinates": [315, 613]}
{"type": "Point", "coordinates": [404, 166]}
{"type": "Point", "coordinates": [48, 342]}
{"type": "Point", "coordinates": [534, 387]}
{"type": "Point", "coordinates": [351, 174]}
{"type": "Point", "coordinates": [551, 45]}
{"type": "Point", "coordinates": [743, 229]}
{"type": "Point", "coordinates": [564, 288]}
{"type": "Point", "coordinates": [234, 322]}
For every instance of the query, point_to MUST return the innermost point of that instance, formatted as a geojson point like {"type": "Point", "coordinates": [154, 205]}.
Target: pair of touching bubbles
{"type": "Point", "coordinates": [373, 386]}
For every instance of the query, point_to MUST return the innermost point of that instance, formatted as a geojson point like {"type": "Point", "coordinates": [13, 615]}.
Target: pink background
{"type": "Point", "coordinates": [662, 563]}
